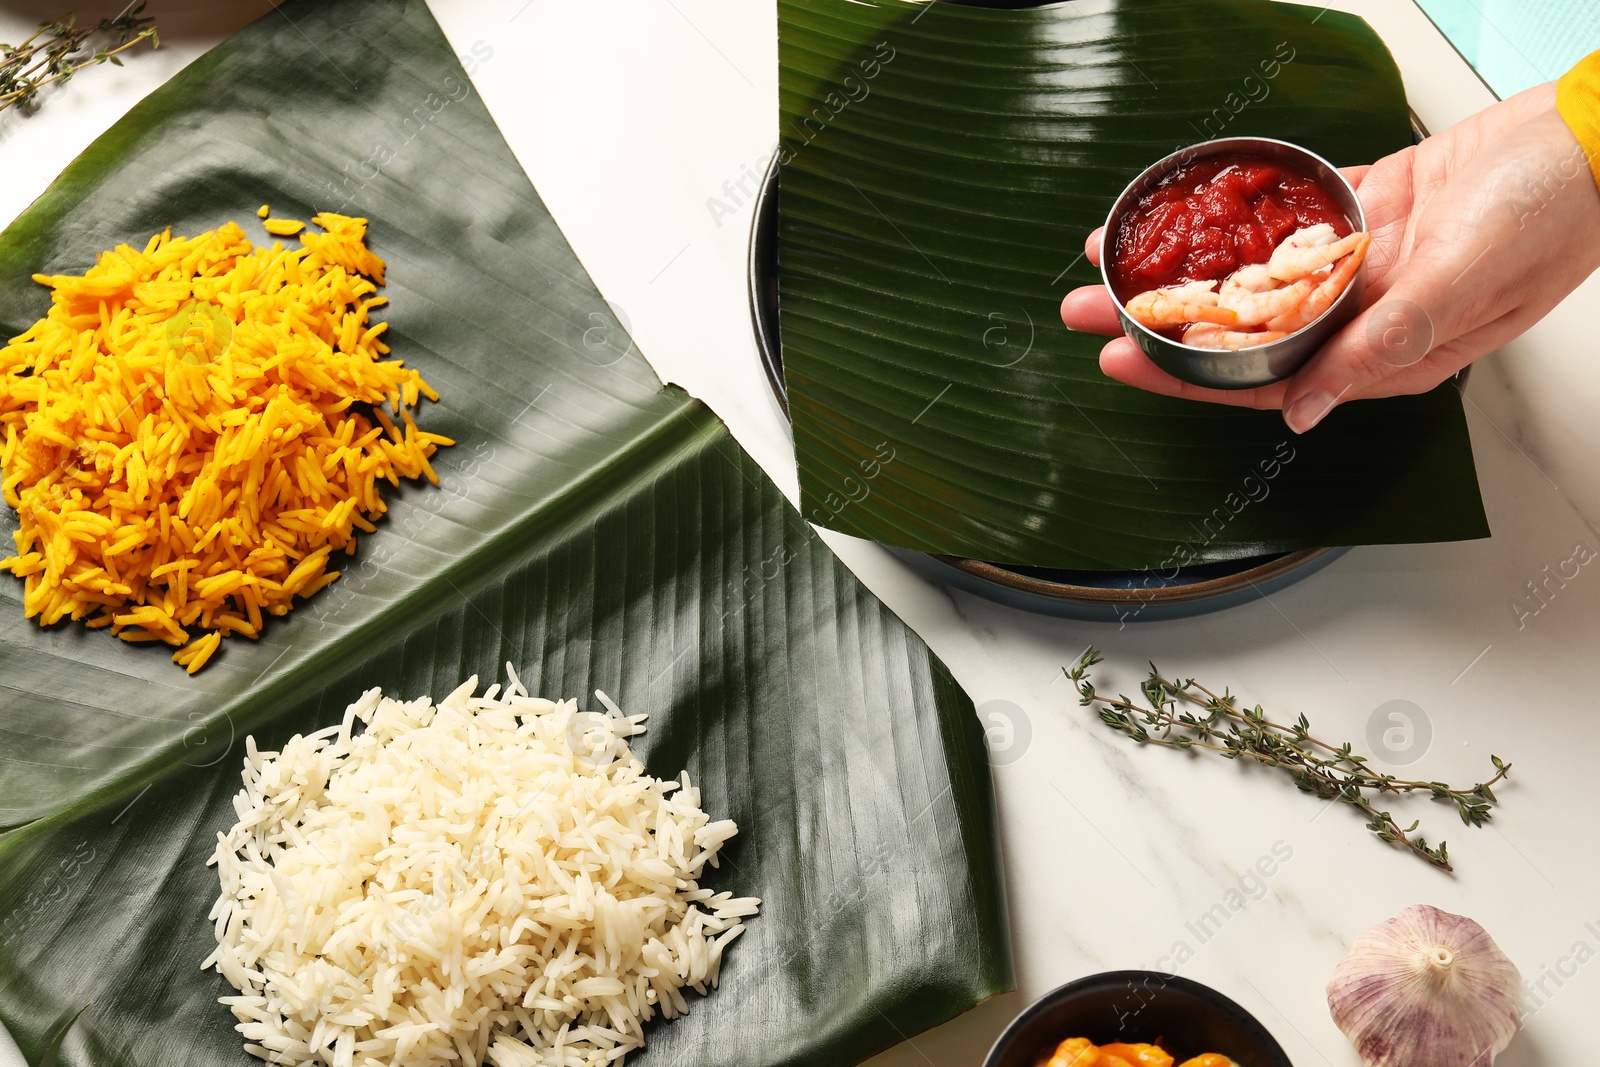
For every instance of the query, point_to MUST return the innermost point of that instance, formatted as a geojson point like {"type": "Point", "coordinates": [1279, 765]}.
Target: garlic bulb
{"type": "Point", "coordinates": [1426, 989]}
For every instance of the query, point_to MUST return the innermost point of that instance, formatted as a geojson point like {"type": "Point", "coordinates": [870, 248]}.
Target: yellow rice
{"type": "Point", "coordinates": [196, 427]}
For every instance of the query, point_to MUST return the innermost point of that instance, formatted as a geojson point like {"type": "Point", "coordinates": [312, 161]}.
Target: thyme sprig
{"type": "Point", "coordinates": [56, 52]}
{"type": "Point", "coordinates": [1186, 715]}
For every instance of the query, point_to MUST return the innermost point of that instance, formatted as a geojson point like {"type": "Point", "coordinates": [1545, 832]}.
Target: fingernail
{"type": "Point", "coordinates": [1309, 410]}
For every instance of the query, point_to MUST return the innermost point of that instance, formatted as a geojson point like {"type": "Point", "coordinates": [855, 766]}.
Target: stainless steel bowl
{"type": "Point", "coordinates": [1263, 364]}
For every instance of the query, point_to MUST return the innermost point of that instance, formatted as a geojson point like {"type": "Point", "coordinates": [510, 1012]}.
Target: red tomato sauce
{"type": "Point", "coordinates": [1207, 219]}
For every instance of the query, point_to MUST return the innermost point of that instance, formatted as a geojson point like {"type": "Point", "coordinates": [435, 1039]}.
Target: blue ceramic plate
{"type": "Point", "coordinates": [1101, 596]}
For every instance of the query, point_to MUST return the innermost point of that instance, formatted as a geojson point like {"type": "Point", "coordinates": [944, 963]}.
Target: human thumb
{"type": "Point", "coordinates": [1394, 334]}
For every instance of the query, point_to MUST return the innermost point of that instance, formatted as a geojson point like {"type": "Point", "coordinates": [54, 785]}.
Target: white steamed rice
{"type": "Point", "coordinates": [492, 879]}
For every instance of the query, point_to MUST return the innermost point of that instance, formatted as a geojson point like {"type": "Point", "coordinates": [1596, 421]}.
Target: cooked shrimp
{"type": "Point", "coordinates": [1210, 335]}
{"type": "Point", "coordinates": [1307, 251]}
{"type": "Point", "coordinates": [1316, 236]}
{"type": "Point", "coordinates": [1256, 297]}
{"type": "Point", "coordinates": [1329, 287]}
{"type": "Point", "coordinates": [1175, 305]}
{"type": "Point", "coordinates": [1209, 1059]}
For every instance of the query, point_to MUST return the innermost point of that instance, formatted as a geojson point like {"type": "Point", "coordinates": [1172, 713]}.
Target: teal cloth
{"type": "Point", "coordinates": [1515, 44]}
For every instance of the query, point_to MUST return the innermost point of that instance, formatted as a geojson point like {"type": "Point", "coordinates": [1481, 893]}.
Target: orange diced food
{"type": "Point", "coordinates": [1081, 1052]}
{"type": "Point", "coordinates": [1139, 1055]}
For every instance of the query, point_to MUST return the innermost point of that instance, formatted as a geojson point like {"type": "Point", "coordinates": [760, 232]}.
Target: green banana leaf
{"type": "Point", "coordinates": [594, 528]}
{"type": "Point", "coordinates": [940, 167]}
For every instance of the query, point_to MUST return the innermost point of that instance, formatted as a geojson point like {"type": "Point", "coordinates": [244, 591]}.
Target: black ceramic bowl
{"type": "Point", "coordinates": [1184, 1017]}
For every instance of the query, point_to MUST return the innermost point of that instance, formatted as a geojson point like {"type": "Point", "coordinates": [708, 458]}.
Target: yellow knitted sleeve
{"type": "Point", "coordinates": [1578, 100]}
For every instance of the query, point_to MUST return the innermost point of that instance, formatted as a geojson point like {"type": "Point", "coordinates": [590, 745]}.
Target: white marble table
{"type": "Point", "coordinates": [633, 117]}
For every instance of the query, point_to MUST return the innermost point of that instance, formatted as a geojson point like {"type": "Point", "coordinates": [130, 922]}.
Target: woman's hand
{"type": "Point", "coordinates": [1476, 234]}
